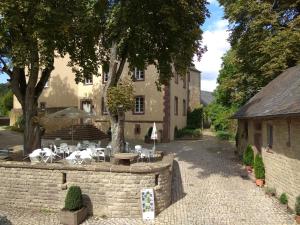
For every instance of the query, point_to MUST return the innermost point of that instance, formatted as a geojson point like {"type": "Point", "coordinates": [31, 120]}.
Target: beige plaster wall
{"type": "Point", "coordinates": [176, 89]}
{"type": "Point", "coordinates": [282, 162]}
{"type": "Point", "coordinates": [194, 89]}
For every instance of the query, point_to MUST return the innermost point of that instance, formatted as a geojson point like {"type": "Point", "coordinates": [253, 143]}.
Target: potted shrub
{"type": "Point", "coordinates": [270, 191]}
{"type": "Point", "coordinates": [74, 212]}
{"type": "Point", "coordinates": [248, 158]}
{"type": "Point", "coordinates": [297, 209]}
{"type": "Point", "coordinates": [259, 170]}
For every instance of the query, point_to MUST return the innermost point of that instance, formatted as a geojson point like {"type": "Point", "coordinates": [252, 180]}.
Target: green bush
{"type": "Point", "coordinates": [259, 168]}
{"type": "Point", "coordinates": [187, 132]}
{"type": "Point", "coordinates": [223, 135]}
{"type": "Point", "coordinates": [283, 199]}
{"type": "Point", "coordinates": [297, 206]}
{"type": "Point", "coordinates": [248, 156]}
{"type": "Point", "coordinates": [73, 199]}
{"type": "Point", "coordinates": [194, 118]}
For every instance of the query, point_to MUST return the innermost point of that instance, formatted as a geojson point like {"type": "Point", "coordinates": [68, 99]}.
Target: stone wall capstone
{"type": "Point", "coordinates": [110, 190]}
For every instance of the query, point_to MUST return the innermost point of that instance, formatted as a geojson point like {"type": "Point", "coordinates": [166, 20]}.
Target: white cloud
{"type": "Point", "coordinates": [215, 39]}
{"type": "Point", "coordinates": [208, 85]}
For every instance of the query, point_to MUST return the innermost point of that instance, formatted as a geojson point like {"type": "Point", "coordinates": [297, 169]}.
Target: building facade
{"type": "Point", "coordinates": [270, 123]}
{"type": "Point", "coordinates": [167, 108]}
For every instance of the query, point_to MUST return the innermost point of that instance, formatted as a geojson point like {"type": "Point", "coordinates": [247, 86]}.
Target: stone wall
{"type": "Point", "coordinates": [110, 190]}
{"type": "Point", "coordinates": [282, 161]}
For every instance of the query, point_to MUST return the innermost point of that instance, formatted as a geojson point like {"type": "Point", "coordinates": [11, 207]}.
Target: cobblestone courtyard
{"type": "Point", "coordinates": [209, 188]}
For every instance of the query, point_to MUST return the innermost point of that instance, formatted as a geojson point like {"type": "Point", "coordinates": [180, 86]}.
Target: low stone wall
{"type": "Point", "coordinates": [111, 190]}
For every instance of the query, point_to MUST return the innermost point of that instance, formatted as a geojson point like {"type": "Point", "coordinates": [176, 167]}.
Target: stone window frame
{"type": "Point", "coordinates": [184, 107]}
{"type": "Point", "coordinates": [270, 135]}
{"type": "Point", "coordinates": [104, 110]}
{"type": "Point", "coordinates": [139, 75]}
{"type": "Point", "coordinates": [176, 106]}
{"type": "Point", "coordinates": [88, 81]}
{"type": "Point", "coordinates": [139, 112]}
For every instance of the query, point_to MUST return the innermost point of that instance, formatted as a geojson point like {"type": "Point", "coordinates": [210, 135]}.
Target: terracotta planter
{"type": "Point", "coordinates": [249, 169]}
{"type": "Point", "coordinates": [297, 218]}
{"type": "Point", "coordinates": [260, 182]}
{"type": "Point", "coordinates": [73, 217]}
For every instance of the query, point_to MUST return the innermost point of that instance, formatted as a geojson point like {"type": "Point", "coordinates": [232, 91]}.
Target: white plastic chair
{"type": "Point", "coordinates": [48, 155]}
{"type": "Point", "coordinates": [35, 155]}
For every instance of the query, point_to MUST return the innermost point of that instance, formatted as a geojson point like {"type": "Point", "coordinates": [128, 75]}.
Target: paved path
{"type": "Point", "coordinates": [209, 188]}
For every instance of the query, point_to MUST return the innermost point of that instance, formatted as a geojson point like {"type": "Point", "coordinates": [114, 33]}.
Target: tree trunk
{"type": "Point", "coordinates": [32, 130]}
{"type": "Point", "coordinates": [117, 132]}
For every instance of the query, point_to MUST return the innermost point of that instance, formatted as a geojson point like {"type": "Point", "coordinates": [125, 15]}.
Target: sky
{"type": "Point", "coordinates": [215, 39]}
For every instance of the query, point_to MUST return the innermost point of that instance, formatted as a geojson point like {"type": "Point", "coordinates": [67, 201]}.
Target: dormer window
{"type": "Point", "coordinates": [88, 81]}
{"type": "Point", "coordinates": [139, 75]}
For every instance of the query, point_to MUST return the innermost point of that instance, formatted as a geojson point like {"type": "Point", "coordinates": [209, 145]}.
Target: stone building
{"type": "Point", "coordinates": [270, 122]}
{"type": "Point", "coordinates": [168, 107]}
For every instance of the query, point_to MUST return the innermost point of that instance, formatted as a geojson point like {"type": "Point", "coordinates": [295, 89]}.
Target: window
{"type": "Point", "coordinates": [104, 77]}
{"type": "Point", "coordinates": [88, 81]}
{"type": "Point", "coordinates": [103, 107]}
{"type": "Point", "coordinates": [288, 143]}
{"type": "Point", "coordinates": [139, 105]}
{"type": "Point", "coordinates": [184, 81]}
{"type": "Point", "coordinates": [246, 129]}
{"type": "Point", "coordinates": [184, 107]}
{"type": "Point", "coordinates": [176, 78]}
{"type": "Point", "coordinates": [175, 106]}
{"type": "Point", "coordinates": [137, 129]}
{"type": "Point", "coordinates": [43, 105]}
{"type": "Point", "coordinates": [139, 75]}
{"type": "Point", "coordinates": [269, 135]}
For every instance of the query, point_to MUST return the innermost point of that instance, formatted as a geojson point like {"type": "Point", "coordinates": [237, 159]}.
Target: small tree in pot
{"type": "Point", "coordinates": [297, 209]}
{"type": "Point", "coordinates": [74, 212]}
{"type": "Point", "coordinates": [248, 158]}
{"type": "Point", "coordinates": [259, 170]}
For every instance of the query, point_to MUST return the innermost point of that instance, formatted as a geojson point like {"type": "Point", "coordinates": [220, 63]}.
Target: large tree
{"type": "Point", "coordinates": [165, 33]}
{"type": "Point", "coordinates": [31, 34]}
{"type": "Point", "coordinates": [95, 32]}
{"type": "Point", "coordinates": [265, 36]}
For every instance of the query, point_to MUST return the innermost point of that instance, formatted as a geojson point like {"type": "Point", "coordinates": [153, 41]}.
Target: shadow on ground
{"type": "Point", "coordinates": [4, 221]}
{"type": "Point", "coordinates": [207, 156]}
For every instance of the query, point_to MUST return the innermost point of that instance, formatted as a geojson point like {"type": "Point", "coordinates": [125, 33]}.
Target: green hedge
{"type": "Point", "coordinates": [283, 199]}
{"type": "Point", "coordinates": [194, 118]}
{"type": "Point", "coordinates": [224, 135]}
{"type": "Point", "coordinates": [259, 168]}
{"type": "Point", "coordinates": [248, 156]}
{"type": "Point", "coordinates": [297, 206]}
{"type": "Point", "coordinates": [187, 132]}
{"type": "Point", "coordinates": [73, 199]}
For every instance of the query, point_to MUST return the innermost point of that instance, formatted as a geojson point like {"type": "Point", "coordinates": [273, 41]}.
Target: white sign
{"type": "Point", "coordinates": [147, 200]}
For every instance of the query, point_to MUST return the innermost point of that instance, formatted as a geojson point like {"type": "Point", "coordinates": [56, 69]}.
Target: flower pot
{"type": "Point", "coordinates": [73, 217]}
{"type": "Point", "coordinates": [259, 182]}
{"type": "Point", "coordinates": [297, 218]}
{"type": "Point", "coordinates": [249, 169]}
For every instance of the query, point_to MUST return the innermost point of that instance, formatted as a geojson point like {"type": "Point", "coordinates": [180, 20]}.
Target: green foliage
{"type": "Point", "coordinates": [19, 124]}
{"type": "Point", "coordinates": [73, 199]}
{"type": "Point", "coordinates": [220, 117]}
{"type": "Point", "coordinates": [270, 191]}
{"type": "Point", "coordinates": [259, 168]}
{"type": "Point", "coordinates": [283, 198]}
{"type": "Point", "coordinates": [6, 103]}
{"type": "Point", "coordinates": [187, 132]}
{"type": "Point", "coordinates": [248, 156]}
{"type": "Point", "coordinates": [224, 135]}
{"type": "Point", "coordinates": [264, 40]}
{"type": "Point", "coordinates": [297, 206]}
{"type": "Point", "coordinates": [120, 97]}
{"type": "Point", "coordinates": [194, 118]}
